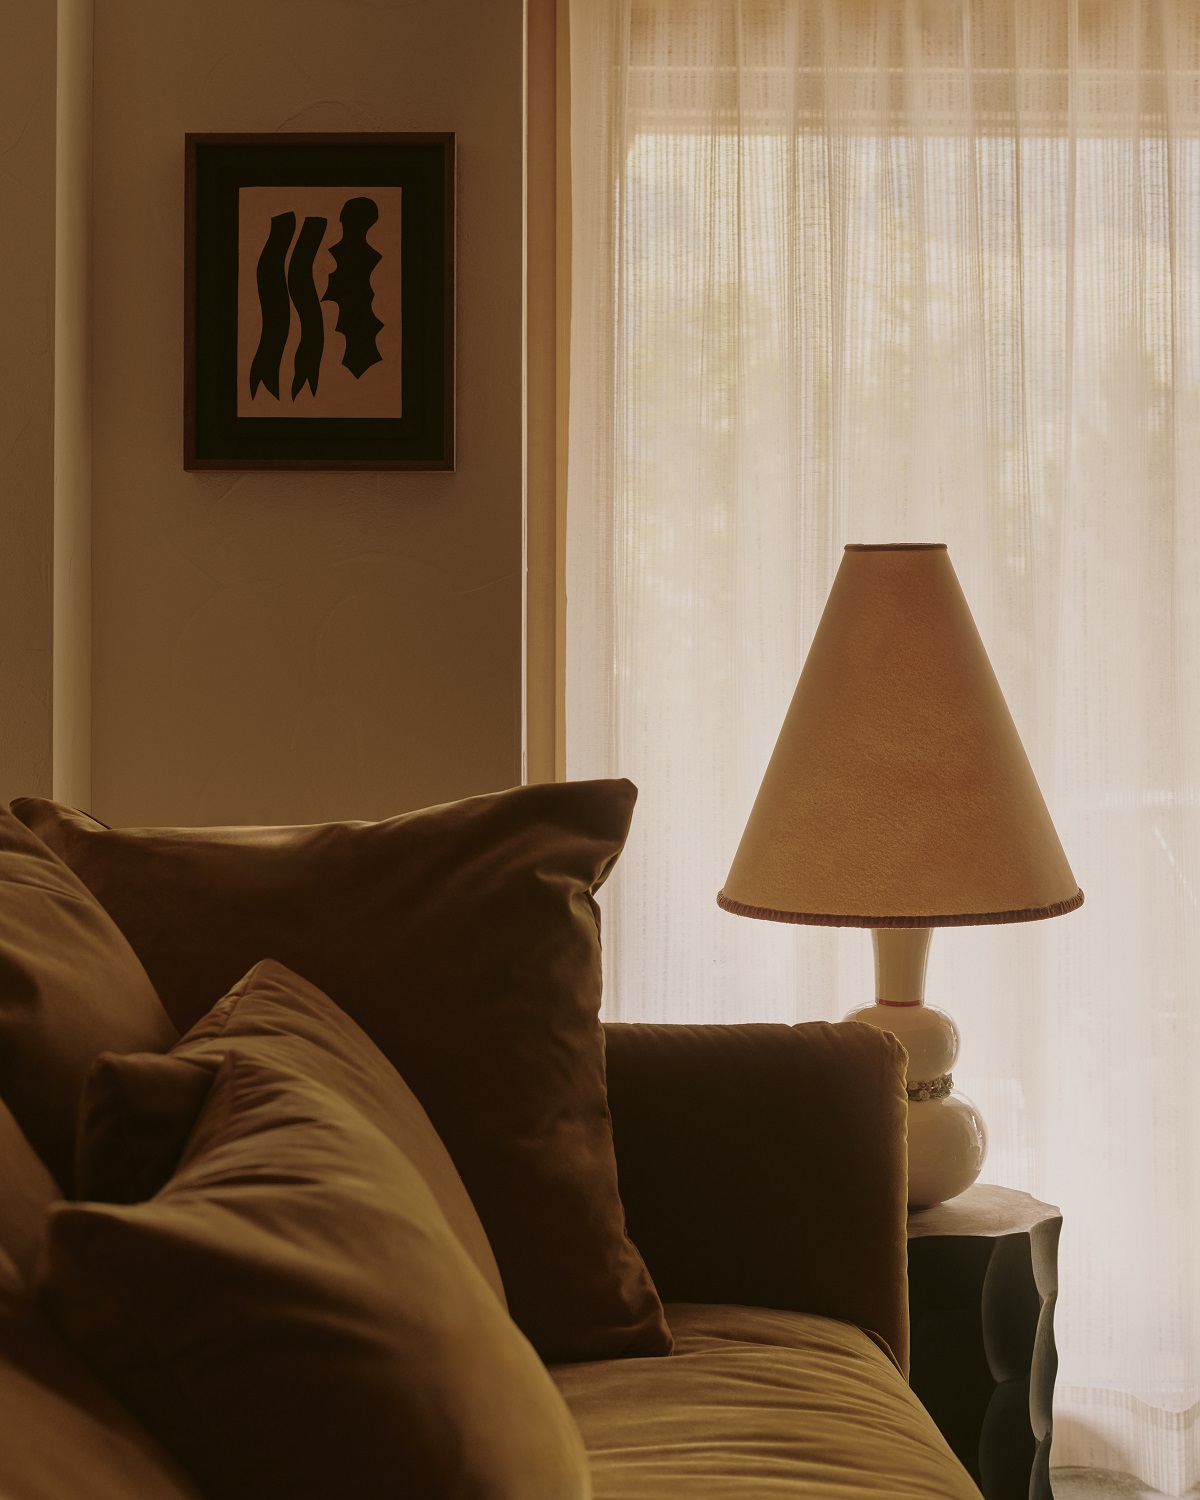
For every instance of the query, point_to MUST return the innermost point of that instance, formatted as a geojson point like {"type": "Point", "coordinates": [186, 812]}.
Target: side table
{"type": "Point", "coordinates": [983, 1279]}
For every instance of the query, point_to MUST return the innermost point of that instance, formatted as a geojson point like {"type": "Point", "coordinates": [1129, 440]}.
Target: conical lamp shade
{"type": "Point", "coordinates": [898, 793]}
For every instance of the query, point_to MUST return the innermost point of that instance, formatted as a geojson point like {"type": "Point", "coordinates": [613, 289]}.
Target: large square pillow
{"type": "Point", "coordinates": [465, 941]}
{"type": "Point", "coordinates": [139, 1108]}
{"type": "Point", "coordinates": [70, 987]}
{"type": "Point", "coordinates": [61, 1433]}
{"type": "Point", "coordinates": [294, 1319]}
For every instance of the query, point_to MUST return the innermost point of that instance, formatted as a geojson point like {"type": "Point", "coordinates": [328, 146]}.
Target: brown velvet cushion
{"type": "Point", "coordinates": [62, 1436]}
{"type": "Point", "coordinates": [294, 1319]}
{"type": "Point", "coordinates": [757, 1403]}
{"type": "Point", "coordinates": [465, 941]}
{"type": "Point", "coordinates": [70, 987]}
{"type": "Point", "coordinates": [139, 1109]}
{"type": "Point", "coordinates": [137, 1112]}
{"type": "Point", "coordinates": [26, 1191]}
{"type": "Point", "coordinates": [768, 1165]}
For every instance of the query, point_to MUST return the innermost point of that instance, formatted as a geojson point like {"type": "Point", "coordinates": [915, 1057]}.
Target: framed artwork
{"type": "Point", "coordinates": [319, 318]}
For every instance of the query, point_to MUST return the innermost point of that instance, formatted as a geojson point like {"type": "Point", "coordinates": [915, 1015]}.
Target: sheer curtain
{"type": "Point", "coordinates": [869, 270]}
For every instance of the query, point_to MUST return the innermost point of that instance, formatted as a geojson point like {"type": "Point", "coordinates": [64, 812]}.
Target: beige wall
{"type": "Point", "coordinates": [27, 50]}
{"type": "Point", "coordinates": [297, 647]}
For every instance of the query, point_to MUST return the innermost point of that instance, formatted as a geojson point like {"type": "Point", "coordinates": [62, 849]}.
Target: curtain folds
{"type": "Point", "coordinates": [917, 270]}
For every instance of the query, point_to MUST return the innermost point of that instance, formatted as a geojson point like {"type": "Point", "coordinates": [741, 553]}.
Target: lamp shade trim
{"type": "Point", "coordinates": [895, 547]}
{"type": "Point", "coordinates": [947, 919]}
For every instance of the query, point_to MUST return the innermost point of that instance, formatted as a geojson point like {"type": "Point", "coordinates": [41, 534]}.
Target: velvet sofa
{"type": "Point", "coordinates": [319, 1176]}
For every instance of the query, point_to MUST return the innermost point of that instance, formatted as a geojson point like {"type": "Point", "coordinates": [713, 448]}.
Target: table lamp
{"type": "Point", "coordinates": [899, 797]}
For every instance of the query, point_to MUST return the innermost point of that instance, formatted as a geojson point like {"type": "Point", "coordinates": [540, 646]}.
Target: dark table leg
{"type": "Point", "coordinates": [983, 1353]}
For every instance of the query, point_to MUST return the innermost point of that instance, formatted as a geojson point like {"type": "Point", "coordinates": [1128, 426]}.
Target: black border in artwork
{"type": "Point", "coordinates": [216, 166]}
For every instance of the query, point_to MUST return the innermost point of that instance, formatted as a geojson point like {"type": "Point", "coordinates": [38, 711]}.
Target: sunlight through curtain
{"type": "Point", "coordinates": [868, 270]}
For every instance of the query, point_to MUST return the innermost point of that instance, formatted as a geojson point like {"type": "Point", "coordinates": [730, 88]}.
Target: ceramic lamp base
{"type": "Point", "coordinates": [947, 1140]}
{"type": "Point", "coordinates": [947, 1143]}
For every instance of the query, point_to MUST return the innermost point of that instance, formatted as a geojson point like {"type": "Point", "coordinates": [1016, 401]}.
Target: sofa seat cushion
{"type": "Point", "coordinates": [756, 1403]}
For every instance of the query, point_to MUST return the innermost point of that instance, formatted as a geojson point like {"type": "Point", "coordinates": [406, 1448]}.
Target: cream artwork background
{"type": "Point", "coordinates": [376, 391]}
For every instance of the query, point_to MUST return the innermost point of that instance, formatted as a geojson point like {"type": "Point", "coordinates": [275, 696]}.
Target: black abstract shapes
{"type": "Point", "coordinates": [307, 304]}
{"type": "Point", "coordinates": [349, 286]}
{"type": "Point", "coordinates": [275, 303]}
{"type": "Point", "coordinates": [285, 283]}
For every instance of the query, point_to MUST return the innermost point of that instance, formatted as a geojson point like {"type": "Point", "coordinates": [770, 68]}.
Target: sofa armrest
{"type": "Point", "coordinates": [767, 1165]}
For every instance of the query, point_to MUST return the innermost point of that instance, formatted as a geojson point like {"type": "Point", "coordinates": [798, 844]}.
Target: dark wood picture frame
{"type": "Point", "coordinates": [417, 430]}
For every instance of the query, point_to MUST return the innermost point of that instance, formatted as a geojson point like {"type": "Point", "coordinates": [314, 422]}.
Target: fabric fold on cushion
{"type": "Point", "coordinates": [70, 988]}
{"type": "Point", "coordinates": [465, 941]}
{"type": "Point", "coordinates": [139, 1110]}
{"type": "Point", "coordinates": [293, 1317]}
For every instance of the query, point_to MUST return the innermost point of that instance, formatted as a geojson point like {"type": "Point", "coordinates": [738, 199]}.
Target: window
{"type": "Point", "coordinates": [916, 270]}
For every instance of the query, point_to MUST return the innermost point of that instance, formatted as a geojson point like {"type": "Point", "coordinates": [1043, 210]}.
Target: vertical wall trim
{"type": "Point", "coordinates": [72, 691]}
{"type": "Point", "coordinates": [528, 628]}
{"type": "Point", "coordinates": [562, 366]}
{"type": "Point", "coordinates": [546, 324]}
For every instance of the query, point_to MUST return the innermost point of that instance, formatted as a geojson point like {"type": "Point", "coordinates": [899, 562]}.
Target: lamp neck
{"type": "Point", "coordinates": [901, 955]}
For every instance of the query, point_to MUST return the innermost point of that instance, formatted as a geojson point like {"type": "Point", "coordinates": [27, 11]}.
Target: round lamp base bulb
{"type": "Point", "coordinates": [947, 1143]}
